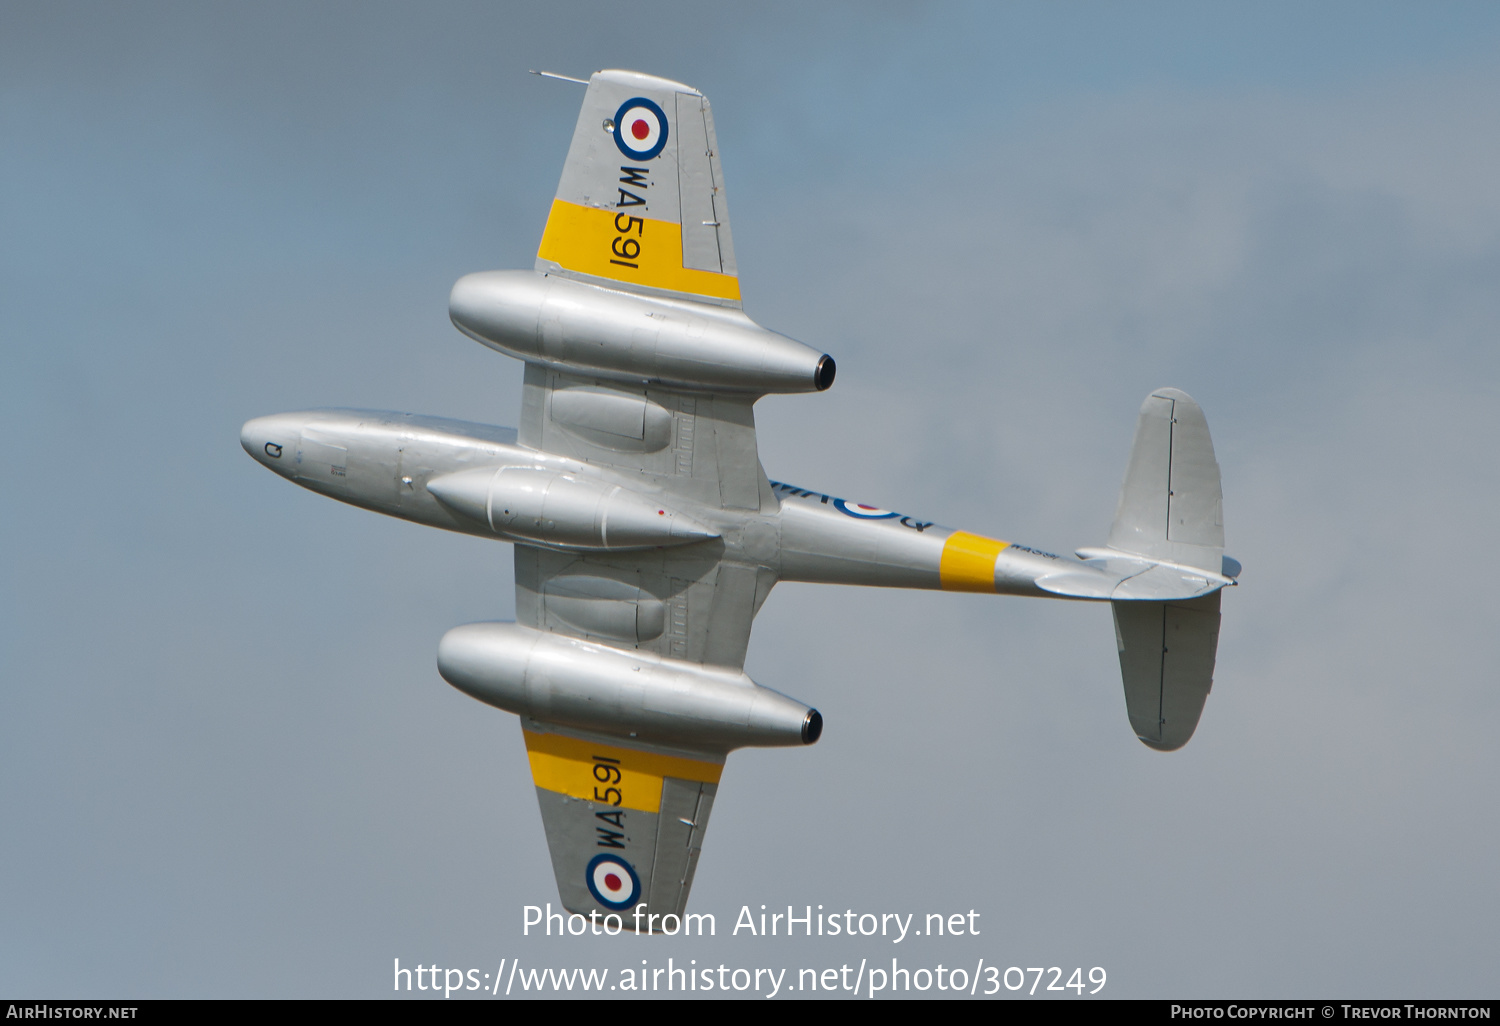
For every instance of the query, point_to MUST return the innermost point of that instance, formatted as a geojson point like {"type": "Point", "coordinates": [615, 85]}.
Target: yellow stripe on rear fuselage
{"type": "Point", "coordinates": [606, 774]}
{"type": "Point", "coordinates": [615, 244]}
{"type": "Point", "coordinates": [968, 562]}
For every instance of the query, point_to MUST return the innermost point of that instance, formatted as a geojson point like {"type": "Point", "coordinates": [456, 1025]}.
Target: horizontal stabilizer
{"type": "Point", "coordinates": [1106, 574]}
{"type": "Point", "coordinates": [1167, 659]}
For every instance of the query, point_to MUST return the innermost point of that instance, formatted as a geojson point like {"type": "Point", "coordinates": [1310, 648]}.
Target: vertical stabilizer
{"type": "Point", "coordinates": [641, 202]}
{"type": "Point", "coordinates": [1171, 508]}
{"type": "Point", "coordinates": [1167, 654]}
{"type": "Point", "coordinates": [1171, 505]}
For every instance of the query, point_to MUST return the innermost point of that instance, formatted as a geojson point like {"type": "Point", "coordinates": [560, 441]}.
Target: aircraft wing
{"type": "Point", "coordinates": [624, 825]}
{"type": "Point", "coordinates": [641, 200]}
{"type": "Point", "coordinates": [640, 208]}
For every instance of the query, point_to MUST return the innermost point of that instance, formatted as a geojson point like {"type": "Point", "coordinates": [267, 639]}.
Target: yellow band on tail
{"type": "Point", "coordinates": [968, 562]}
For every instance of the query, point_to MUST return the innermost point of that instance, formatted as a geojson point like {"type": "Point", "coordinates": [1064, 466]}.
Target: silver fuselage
{"type": "Point", "coordinates": [385, 461]}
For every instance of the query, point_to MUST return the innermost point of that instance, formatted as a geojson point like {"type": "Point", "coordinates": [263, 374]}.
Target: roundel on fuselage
{"type": "Point", "coordinates": [860, 511]}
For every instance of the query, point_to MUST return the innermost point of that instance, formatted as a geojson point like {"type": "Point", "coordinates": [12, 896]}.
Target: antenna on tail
{"type": "Point", "coordinates": [562, 78]}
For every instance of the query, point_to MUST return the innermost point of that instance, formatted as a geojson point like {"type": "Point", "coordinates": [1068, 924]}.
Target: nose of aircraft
{"type": "Point", "coordinates": [272, 440]}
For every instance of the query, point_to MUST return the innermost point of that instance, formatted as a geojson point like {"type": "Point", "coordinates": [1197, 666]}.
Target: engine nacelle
{"type": "Point", "coordinates": [553, 507]}
{"type": "Point", "coordinates": [576, 326]}
{"type": "Point", "coordinates": [563, 680]}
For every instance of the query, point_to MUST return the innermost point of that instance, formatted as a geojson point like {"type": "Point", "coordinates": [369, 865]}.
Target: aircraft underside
{"type": "Point", "coordinates": [647, 535]}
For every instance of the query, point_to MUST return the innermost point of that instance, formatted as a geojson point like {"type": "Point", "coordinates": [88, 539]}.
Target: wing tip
{"type": "Point", "coordinates": [641, 80]}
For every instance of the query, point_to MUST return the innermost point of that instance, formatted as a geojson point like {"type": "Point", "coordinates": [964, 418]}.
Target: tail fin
{"type": "Point", "coordinates": [1171, 508]}
{"type": "Point", "coordinates": [1167, 660]}
{"type": "Point", "coordinates": [1171, 505]}
{"type": "Point", "coordinates": [641, 203]}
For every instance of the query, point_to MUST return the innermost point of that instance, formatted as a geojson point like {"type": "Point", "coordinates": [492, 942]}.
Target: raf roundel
{"type": "Point", "coordinates": [640, 129]}
{"type": "Point", "coordinates": [612, 882]}
{"type": "Point", "coordinates": [862, 512]}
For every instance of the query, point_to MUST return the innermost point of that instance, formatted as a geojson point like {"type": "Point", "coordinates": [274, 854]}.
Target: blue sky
{"type": "Point", "coordinates": [227, 762]}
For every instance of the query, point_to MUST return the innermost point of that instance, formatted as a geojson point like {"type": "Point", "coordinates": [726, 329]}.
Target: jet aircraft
{"type": "Point", "coordinates": [647, 535]}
